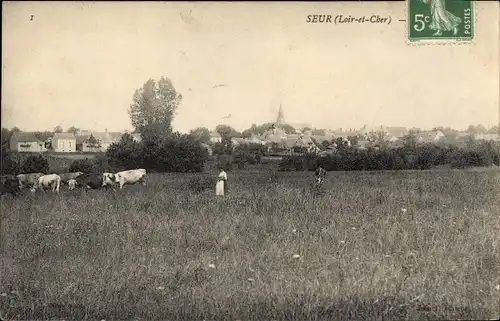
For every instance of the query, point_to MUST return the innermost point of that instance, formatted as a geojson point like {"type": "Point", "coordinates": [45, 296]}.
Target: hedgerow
{"type": "Point", "coordinates": [176, 153]}
{"type": "Point", "coordinates": [419, 157]}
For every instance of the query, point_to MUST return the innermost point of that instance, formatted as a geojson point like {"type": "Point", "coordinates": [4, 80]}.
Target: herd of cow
{"type": "Point", "coordinates": [39, 181]}
{"type": "Point", "coordinates": [14, 184]}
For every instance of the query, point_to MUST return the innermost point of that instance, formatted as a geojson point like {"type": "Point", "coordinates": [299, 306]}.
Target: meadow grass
{"type": "Point", "coordinates": [373, 246]}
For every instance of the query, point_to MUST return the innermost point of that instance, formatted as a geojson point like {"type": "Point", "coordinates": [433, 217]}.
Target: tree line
{"type": "Point", "coordinates": [420, 157]}
{"type": "Point", "coordinates": [154, 107]}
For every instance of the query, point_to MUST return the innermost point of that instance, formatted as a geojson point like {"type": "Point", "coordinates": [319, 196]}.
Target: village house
{"type": "Point", "coordinates": [26, 142]}
{"type": "Point", "coordinates": [97, 141]}
{"type": "Point", "coordinates": [253, 139]}
{"type": "Point", "coordinates": [64, 143]}
{"type": "Point", "coordinates": [397, 132]}
{"type": "Point", "coordinates": [236, 141]}
{"type": "Point", "coordinates": [136, 137]}
{"type": "Point", "coordinates": [391, 138]}
{"type": "Point", "coordinates": [294, 143]}
{"type": "Point", "coordinates": [430, 137]}
{"type": "Point", "coordinates": [215, 137]}
{"type": "Point", "coordinates": [363, 144]}
{"type": "Point", "coordinates": [487, 137]}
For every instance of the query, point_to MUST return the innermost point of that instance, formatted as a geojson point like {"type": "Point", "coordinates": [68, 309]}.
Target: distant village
{"type": "Point", "coordinates": [302, 138]}
{"type": "Point", "coordinates": [324, 141]}
{"type": "Point", "coordinates": [275, 139]}
{"type": "Point", "coordinates": [83, 141]}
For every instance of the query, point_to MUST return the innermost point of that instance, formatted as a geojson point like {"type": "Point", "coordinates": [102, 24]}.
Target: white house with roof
{"type": "Point", "coordinates": [26, 142]}
{"type": "Point", "coordinates": [64, 143]}
{"type": "Point", "coordinates": [98, 141]}
{"type": "Point", "coordinates": [430, 137]}
{"type": "Point", "coordinates": [215, 137]}
{"type": "Point", "coordinates": [137, 137]}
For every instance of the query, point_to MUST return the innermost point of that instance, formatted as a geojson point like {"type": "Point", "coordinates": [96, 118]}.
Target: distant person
{"type": "Point", "coordinates": [320, 174]}
{"type": "Point", "coordinates": [221, 186]}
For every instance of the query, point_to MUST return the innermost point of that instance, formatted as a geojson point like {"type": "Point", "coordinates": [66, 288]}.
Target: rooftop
{"type": "Point", "coordinates": [64, 136]}
{"type": "Point", "coordinates": [25, 137]}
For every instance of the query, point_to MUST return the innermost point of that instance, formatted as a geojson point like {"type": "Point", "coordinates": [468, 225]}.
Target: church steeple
{"type": "Point", "coordinates": [280, 119]}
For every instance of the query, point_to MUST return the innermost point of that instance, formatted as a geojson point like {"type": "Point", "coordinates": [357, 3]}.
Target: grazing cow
{"type": "Point", "coordinates": [108, 179]}
{"type": "Point", "coordinates": [28, 180]}
{"type": "Point", "coordinates": [65, 177]}
{"type": "Point", "coordinates": [320, 174]}
{"type": "Point", "coordinates": [71, 184]}
{"type": "Point", "coordinates": [10, 185]}
{"type": "Point", "coordinates": [131, 177]}
{"type": "Point", "coordinates": [90, 180]}
{"type": "Point", "coordinates": [45, 181]}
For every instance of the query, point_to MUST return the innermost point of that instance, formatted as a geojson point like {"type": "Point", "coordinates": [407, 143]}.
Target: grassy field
{"type": "Point", "coordinates": [372, 246]}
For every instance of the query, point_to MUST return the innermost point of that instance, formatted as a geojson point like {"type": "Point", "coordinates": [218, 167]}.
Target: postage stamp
{"type": "Point", "coordinates": [440, 20]}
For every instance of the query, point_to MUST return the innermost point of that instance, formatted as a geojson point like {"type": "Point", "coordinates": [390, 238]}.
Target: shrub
{"type": "Point", "coordinates": [125, 154]}
{"type": "Point", "coordinates": [418, 157]}
{"type": "Point", "coordinates": [82, 165]}
{"type": "Point", "coordinates": [35, 164]}
{"type": "Point", "coordinates": [101, 163]}
{"type": "Point", "coordinates": [9, 162]}
{"type": "Point", "coordinates": [225, 161]}
{"type": "Point", "coordinates": [177, 153]}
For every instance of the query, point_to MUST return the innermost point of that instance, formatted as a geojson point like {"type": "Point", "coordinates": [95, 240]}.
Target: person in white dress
{"type": "Point", "coordinates": [221, 186]}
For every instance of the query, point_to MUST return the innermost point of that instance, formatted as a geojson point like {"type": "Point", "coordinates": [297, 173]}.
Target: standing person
{"type": "Point", "coordinates": [221, 186]}
{"type": "Point", "coordinates": [320, 174]}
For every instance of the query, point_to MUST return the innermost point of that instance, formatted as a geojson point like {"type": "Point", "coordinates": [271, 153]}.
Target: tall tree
{"type": "Point", "coordinates": [58, 129]}
{"type": "Point", "coordinates": [74, 130]}
{"type": "Point", "coordinates": [43, 136]}
{"type": "Point", "coordinates": [93, 143]}
{"type": "Point", "coordinates": [480, 129]}
{"type": "Point", "coordinates": [6, 134]}
{"type": "Point", "coordinates": [201, 134]}
{"type": "Point", "coordinates": [471, 129]}
{"type": "Point", "coordinates": [410, 140]}
{"type": "Point", "coordinates": [153, 107]}
{"type": "Point", "coordinates": [227, 132]}
{"type": "Point", "coordinates": [261, 129]}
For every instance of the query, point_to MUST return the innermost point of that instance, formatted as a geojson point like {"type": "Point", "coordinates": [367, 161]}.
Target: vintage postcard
{"type": "Point", "coordinates": [250, 160]}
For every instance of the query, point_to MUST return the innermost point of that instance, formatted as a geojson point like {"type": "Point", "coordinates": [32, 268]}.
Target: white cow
{"type": "Point", "coordinates": [28, 180]}
{"type": "Point", "coordinates": [45, 181]}
{"type": "Point", "coordinates": [108, 179]}
{"type": "Point", "coordinates": [72, 184]}
{"type": "Point", "coordinates": [131, 177]}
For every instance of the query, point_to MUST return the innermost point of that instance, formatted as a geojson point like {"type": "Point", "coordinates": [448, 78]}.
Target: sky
{"type": "Point", "coordinates": [80, 63]}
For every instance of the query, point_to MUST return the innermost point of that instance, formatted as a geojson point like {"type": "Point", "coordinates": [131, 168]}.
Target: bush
{"type": "Point", "coordinates": [298, 163]}
{"type": "Point", "coordinates": [126, 154]}
{"type": "Point", "coordinates": [35, 164]}
{"type": "Point", "coordinates": [419, 157]}
{"type": "Point", "coordinates": [225, 161]}
{"type": "Point", "coordinates": [177, 153]}
{"type": "Point", "coordinates": [101, 163]}
{"type": "Point", "coordinates": [82, 165]}
{"type": "Point", "coordinates": [9, 163]}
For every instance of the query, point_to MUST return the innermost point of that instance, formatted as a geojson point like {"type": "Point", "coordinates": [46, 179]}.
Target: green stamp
{"type": "Point", "coordinates": [440, 20]}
